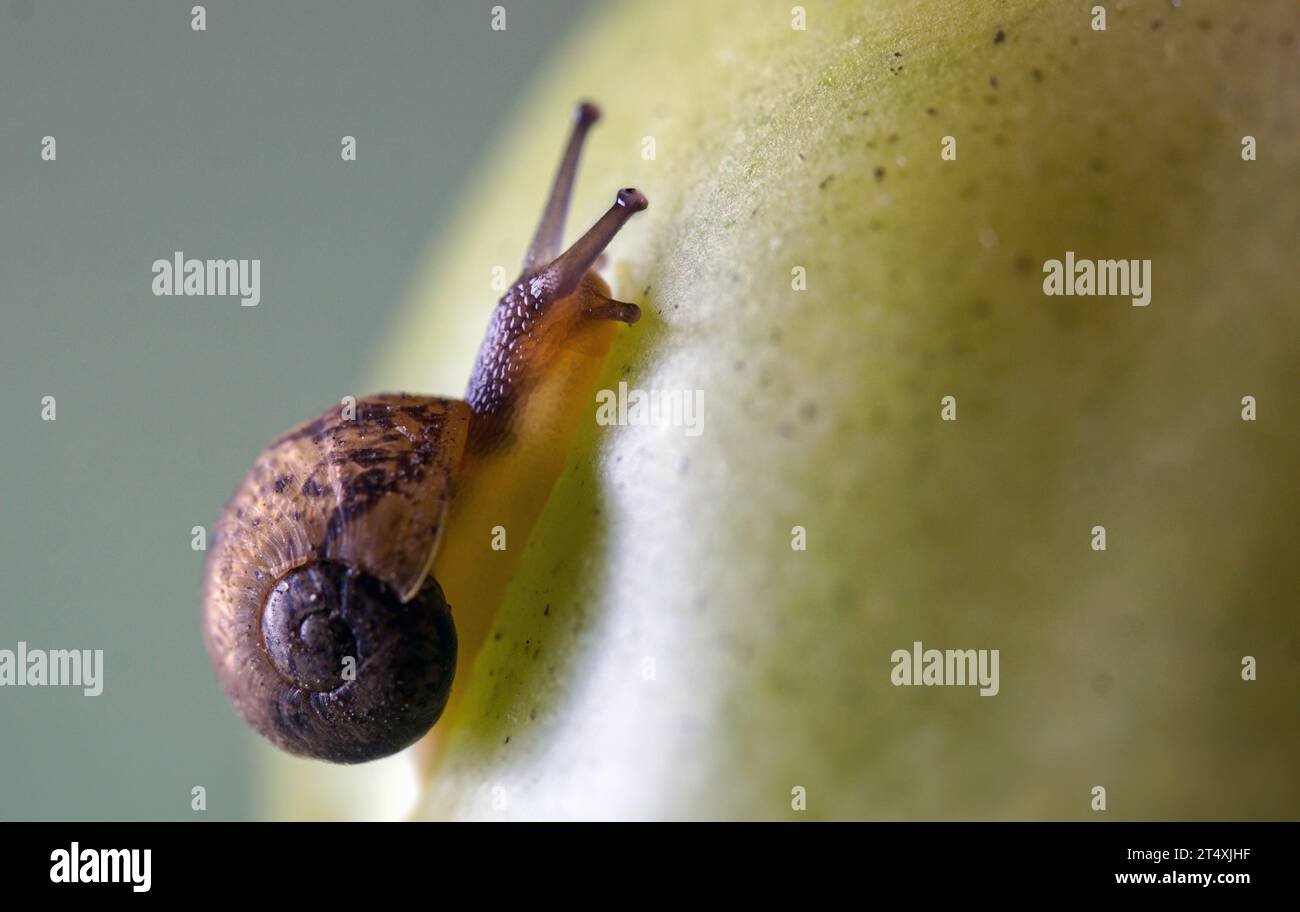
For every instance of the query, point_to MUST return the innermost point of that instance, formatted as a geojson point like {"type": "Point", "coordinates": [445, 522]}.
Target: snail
{"type": "Point", "coordinates": [329, 586]}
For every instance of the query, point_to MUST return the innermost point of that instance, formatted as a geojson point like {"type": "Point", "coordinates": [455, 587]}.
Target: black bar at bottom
{"type": "Point", "coordinates": [534, 862]}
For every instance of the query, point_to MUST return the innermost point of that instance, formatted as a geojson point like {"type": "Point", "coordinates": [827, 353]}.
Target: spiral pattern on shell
{"type": "Point", "coordinates": [348, 672]}
{"type": "Point", "coordinates": [327, 631]}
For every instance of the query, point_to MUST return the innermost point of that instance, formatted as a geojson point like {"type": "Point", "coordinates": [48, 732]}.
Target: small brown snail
{"type": "Point", "coordinates": [329, 585]}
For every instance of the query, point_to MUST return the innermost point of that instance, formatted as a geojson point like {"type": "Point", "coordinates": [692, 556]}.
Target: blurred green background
{"type": "Point", "coordinates": [223, 143]}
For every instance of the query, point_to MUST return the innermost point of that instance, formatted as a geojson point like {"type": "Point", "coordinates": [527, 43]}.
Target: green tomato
{"type": "Point", "coordinates": [818, 269]}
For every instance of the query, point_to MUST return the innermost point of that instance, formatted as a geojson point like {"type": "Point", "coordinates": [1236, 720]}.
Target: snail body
{"type": "Point", "coordinates": [328, 593]}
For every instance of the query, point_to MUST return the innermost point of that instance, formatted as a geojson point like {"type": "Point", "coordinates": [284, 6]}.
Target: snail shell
{"type": "Point", "coordinates": [322, 556]}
